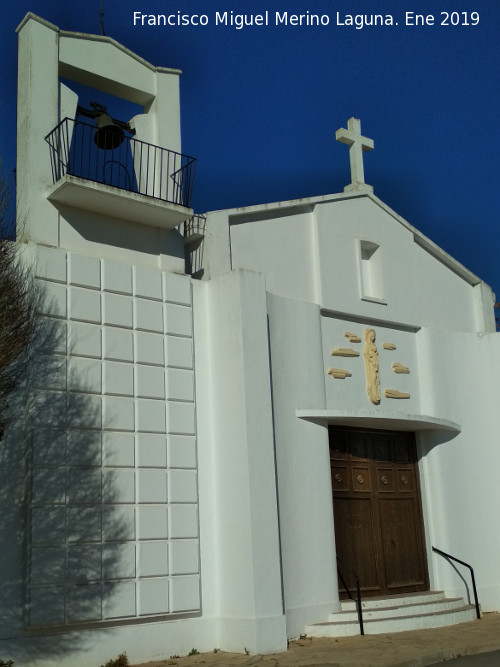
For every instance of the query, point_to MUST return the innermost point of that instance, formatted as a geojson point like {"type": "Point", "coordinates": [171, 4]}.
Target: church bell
{"type": "Point", "coordinates": [108, 135]}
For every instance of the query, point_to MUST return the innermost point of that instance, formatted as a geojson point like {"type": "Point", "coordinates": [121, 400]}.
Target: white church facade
{"type": "Point", "coordinates": [211, 419]}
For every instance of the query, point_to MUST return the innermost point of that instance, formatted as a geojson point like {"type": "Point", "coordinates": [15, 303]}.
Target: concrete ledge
{"type": "Point", "coordinates": [396, 421]}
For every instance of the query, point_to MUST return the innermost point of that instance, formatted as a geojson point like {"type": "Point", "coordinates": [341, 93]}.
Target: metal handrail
{"type": "Point", "coordinates": [134, 165]}
{"type": "Point", "coordinates": [358, 592]}
{"type": "Point", "coordinates": [462, 562]}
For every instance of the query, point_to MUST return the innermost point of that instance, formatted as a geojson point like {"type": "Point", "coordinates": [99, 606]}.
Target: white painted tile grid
{"type": "Point", "coordinates": [114, 503]}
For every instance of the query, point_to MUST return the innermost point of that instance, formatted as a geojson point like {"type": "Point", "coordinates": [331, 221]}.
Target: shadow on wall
{"type": "Point", "coordinates": [115, 233]}
{"type": "Point", "coordinates": [431, 439]}
{"type": "Point", "coordinates": [68, 555]}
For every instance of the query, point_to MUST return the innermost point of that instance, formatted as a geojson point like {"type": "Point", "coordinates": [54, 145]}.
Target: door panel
{"type": "Point", "coordinates": [400, 543]}
{"type": "Point", "coordinates": [377, 510]}
{"type": "Point", "coordinates": [357, 551]}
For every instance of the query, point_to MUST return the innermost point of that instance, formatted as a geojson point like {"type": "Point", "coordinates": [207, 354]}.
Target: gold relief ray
{"type": "Point", "coordinates": [352, 337]}
{"type": "Point", "coordinates": [339, 373]}
{"type": "Point", "coordinates": [394, 393]}
{"type": "Point", "coordinates": [344, 352]}
{"type": "Point", "coordinates": [399, 368]}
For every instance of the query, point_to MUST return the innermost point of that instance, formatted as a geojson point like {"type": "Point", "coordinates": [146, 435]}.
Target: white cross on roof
{"type": "Point", "coordinates": [357, 144]}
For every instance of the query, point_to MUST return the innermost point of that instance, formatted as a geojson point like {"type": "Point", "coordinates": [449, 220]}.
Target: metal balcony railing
{"type": "Point", "coordinates": [194, 228]}
{"type": "Point", "coordinates": [134, 166]}
{"type": "Point", "coordinates": [194, 233]}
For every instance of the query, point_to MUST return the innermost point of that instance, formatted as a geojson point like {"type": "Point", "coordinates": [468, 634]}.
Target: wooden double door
{"type": "Point", "coordinates": [377, 510]}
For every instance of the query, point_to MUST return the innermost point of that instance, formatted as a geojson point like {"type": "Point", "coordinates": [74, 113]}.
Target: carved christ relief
{"type": "Point", "coordinates": [370, 354]}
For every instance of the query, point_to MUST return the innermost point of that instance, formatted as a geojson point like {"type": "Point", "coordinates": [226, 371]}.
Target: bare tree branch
{"type": "Point", "coordinates": [17, 310]}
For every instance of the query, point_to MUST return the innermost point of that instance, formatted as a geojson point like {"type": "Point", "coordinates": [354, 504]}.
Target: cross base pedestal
{"type": "Point", "coordinates": [358, 187]}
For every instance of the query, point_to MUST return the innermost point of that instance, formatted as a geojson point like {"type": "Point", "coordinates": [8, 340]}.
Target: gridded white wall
{"type": "Point", "coordinates": [113, 499]}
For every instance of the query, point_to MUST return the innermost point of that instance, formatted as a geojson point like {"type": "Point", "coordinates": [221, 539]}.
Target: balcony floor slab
{"type": "Point", "coordinates": [122, 204]}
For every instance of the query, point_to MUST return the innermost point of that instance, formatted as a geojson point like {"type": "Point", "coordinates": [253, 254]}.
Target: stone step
{"type": "Point", "coordinates": [414, 609]}
{"type": "Point", "coordinates": [412, 612]}
{"type": "Point", "coordinates": [394, 600]}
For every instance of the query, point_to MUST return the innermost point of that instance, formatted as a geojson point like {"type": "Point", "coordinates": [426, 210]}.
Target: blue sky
{"type": "Point", "coordinates": [260, 105]}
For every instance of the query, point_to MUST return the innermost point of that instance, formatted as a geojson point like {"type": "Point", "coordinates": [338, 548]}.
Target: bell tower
{"type": "Point", "coordinates": [88, 179]}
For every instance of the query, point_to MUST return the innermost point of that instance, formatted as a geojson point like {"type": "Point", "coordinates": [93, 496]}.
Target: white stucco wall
{"type": "Point", "coordinates": [112, 526]}
{"type": "Point", "coordinates": [442, 299]}
{"type": "Point", "coordinates": [117, 393]}
{"type": "Point", "coordinates": [303, 464]}
{"type": "Point", "coordinates": [37, 115]}
{"type": "Point", "coordinates": [102, 236]}
{"type": "Point", "coordinates": [282, 247]}
{"type": "Point", "coordinates": [461, 472]}
{"type": "Point", "coordinates": [341, 227]}
{"type": "Point", "coordinates": [237, 465]}
{"type": "Point", "coordinates": [310, 250]}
